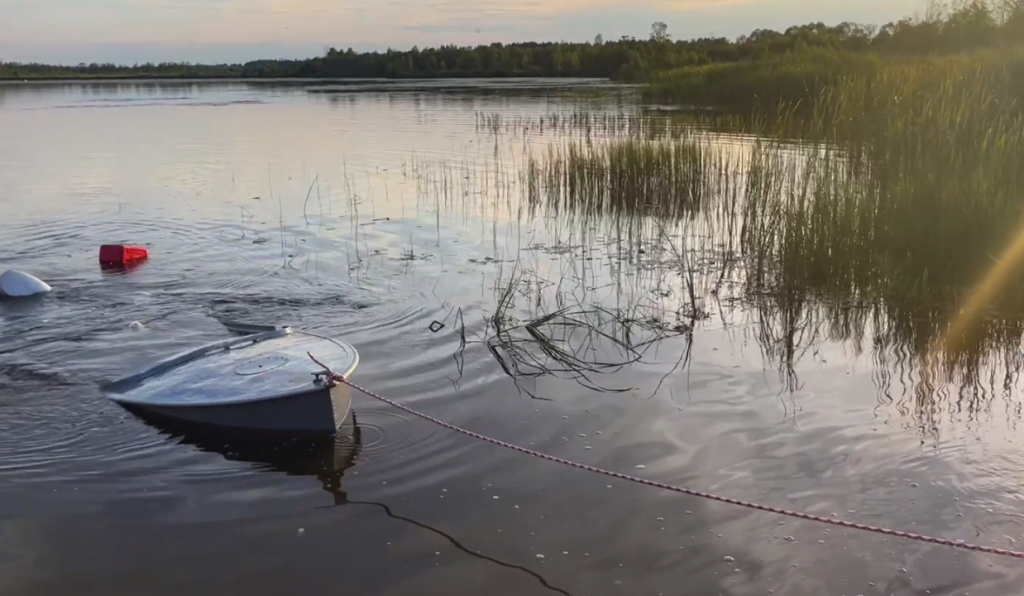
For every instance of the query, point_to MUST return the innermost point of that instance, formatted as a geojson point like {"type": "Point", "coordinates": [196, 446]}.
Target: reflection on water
{"type": "Point", "coordinates": [553, 267]}
{"type": "Point", "coordinates": [325, 458]}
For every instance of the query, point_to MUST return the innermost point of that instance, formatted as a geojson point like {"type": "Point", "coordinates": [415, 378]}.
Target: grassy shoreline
{"type": "Point", "coordinates": [802, 81]}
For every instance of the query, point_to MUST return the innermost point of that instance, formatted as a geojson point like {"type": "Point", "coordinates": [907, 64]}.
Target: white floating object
{"type": "Point", "coordinates": [18, 284]}
{"type": "Point", "coordinates": [136, 326]}
{"type": "Point", "coordinates": [641, 467]}
{"type": "Point", "coordinates": [540, 556]}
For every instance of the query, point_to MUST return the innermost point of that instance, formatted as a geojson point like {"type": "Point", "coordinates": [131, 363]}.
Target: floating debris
{"type": "Point", "coordinates": [729, 559]}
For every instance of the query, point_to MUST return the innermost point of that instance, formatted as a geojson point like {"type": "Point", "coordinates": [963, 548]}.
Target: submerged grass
{"type": "Point", "coordinates": [578, 339]}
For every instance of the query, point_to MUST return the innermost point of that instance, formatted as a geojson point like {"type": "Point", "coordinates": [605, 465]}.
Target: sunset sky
{"type": "Point", "coordinates": [126, 31]}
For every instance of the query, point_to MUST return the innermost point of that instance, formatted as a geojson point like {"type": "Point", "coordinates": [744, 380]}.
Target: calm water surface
{"type": "Point", "coordinates": [370, 213]}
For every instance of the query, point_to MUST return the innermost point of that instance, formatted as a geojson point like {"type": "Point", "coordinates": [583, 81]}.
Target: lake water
{"type": "Point", "coordinates": [370, 212]}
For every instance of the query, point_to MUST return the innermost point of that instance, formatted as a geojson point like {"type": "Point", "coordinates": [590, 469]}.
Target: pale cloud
{"type": "Point", "coordinates": [28, 25]}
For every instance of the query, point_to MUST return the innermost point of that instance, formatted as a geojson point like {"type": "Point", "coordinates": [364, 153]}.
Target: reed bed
{"type": "Point", "coordinates": [876, 217]}
{"type": "Point", "coordinates": [886, 214]}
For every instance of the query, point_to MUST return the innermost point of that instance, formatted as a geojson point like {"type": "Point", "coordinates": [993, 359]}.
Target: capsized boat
{"type": "Point", "coordinates": [262, 381]}
{"type": "Point", "coordinates": [18, 284]}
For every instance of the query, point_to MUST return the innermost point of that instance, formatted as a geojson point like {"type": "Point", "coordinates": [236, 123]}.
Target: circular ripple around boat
{"type": "Point", "coordinates": [334, 310]}
{"type": "Point", "coordinates": [59, 434]}
{"type": "Point", "coordinates": [43, 239]}
{"type": "Point", "coordinates": [180, 247]}
{"type": "Point", "coordinates": [391, 432]}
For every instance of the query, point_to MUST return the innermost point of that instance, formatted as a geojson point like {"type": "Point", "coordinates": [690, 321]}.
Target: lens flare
{"type": "Point", "coordinates": [973, 312]}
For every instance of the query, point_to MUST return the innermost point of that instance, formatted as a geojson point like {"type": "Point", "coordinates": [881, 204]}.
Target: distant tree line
{"type": "Point", "coordinates": [970, 24]}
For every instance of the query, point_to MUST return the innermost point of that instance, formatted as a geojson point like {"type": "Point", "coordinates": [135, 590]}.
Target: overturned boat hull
{"type": "Point", "coordinates": [263, 382]}
{"type": "Point", "coordinates": [316, 412]}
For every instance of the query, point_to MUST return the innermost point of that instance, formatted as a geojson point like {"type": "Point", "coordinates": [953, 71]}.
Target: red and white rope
{"type": "Point", "coordinates": [678, 489]}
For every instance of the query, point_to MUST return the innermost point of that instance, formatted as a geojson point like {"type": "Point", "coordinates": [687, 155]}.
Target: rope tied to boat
{"type": "Point", "coordinates": [834, 521]}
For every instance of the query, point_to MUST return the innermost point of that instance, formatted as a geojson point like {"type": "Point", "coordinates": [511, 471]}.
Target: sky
{"type": "Point", "coordinates": [129, 31]}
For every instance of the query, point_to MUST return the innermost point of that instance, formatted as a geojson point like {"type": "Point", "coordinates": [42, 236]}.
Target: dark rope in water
{"type": "Point", "coordinates": [835, 521]}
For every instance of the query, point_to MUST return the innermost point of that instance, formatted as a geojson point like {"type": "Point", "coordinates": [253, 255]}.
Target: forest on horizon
{"type": "Point", "coordinates": [966, 26]}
